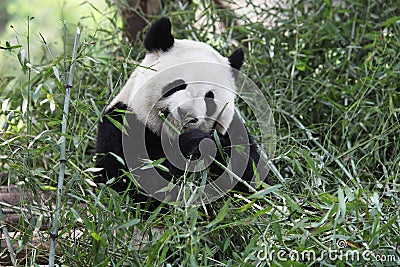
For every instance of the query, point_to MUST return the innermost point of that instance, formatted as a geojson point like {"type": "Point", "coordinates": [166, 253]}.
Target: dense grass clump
{"type": "Point", "coordinates": [331, 74]}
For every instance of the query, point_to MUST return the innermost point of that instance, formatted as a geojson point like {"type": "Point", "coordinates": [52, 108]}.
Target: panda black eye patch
{"type": "Point", "coordinates": [211, 107]}
{"type": "Point", "coordinates": [210, 94]}
{"type": "Point", "coordinates": [173, 87]}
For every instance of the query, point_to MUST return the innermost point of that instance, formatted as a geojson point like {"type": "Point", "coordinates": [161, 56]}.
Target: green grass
{"type": "Point", "coordinates": [331, 75]}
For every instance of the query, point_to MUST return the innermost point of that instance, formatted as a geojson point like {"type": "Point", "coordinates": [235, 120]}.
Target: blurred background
{"type": "Point", "coordinates": [48, 19]}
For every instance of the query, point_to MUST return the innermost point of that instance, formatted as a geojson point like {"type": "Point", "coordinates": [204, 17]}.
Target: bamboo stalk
{"type": "Point", "coordinates": [54, 231]}
{"type": "Point", "coordinates": [28, 108]}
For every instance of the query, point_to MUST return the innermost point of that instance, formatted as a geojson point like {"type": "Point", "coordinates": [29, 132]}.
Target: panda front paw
{"type": "Point", "coordinates": [189, 142]}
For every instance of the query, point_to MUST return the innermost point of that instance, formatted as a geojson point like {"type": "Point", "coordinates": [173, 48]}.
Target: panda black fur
{"type": "Point", "coordinates": [167, 95]}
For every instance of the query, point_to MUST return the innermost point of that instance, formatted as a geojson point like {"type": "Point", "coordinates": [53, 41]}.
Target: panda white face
{"type": "Point", "coordinates": [190, 83]}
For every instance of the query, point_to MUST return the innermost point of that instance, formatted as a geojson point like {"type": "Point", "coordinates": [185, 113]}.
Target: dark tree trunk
{"type": "Point", "coordinates": [136, 14]}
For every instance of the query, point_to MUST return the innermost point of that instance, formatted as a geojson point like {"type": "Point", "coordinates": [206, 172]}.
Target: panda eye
{"type": "Point", "coordinates": [174, 87]}
{"type": "Point", "coordinates": [210, 94]}
{"type": "Point", "coordinates": [210, 103]}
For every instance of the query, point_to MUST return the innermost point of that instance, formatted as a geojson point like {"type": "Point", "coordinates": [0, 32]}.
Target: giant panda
{"type": "Point", "coordinates": [165, 88]}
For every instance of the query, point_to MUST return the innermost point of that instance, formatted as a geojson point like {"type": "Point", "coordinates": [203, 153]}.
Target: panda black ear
{"type": "Point", "coordinates": [236, 59]}
{"type": "Point", "coordinates": [159, 36]}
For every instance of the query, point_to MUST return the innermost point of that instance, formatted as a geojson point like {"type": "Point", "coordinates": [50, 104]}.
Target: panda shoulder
{"type": "Point", "coordinates": [124, 95]}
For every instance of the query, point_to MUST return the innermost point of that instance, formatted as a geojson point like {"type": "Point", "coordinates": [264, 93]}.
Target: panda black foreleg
{"type": "Point", "coordinates": [109, 148]}
{"type": "Point", "coordinates": [189, 144]}
{"type": "Point", "coordinates": [254, 165]}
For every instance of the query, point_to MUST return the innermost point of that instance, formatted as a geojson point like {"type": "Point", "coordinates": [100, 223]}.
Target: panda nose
{"type": "Point", "coordinates": [183, 114]}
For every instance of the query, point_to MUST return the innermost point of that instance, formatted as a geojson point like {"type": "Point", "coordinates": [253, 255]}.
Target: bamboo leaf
{"type": "Point", "coordinates": [342, 203]}
{"type": "Point", "coordinates": [129, 224]}
{"type": "Point", "coordinates": [221, 215]}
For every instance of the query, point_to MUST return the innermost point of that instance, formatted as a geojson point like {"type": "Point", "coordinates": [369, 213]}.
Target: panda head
{"type": "Point", "coordinates": [186, 81]}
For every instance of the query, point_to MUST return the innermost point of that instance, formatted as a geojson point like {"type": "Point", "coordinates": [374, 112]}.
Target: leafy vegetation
{"type": "Point", "coordinates": [331, 73]}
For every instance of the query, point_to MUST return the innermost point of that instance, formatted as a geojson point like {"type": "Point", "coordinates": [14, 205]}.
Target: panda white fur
{"type": "Point", "coordinates": [154, 87]}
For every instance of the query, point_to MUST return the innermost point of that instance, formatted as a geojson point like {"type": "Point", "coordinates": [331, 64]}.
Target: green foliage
{"type": "Point", "coordinates": [13, 27]}
{"type": "Point", "coordinates": [331, 73]}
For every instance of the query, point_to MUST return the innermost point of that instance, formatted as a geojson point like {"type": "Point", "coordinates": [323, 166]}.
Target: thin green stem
{"type": "Point", "coordinates": [7, 238]}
